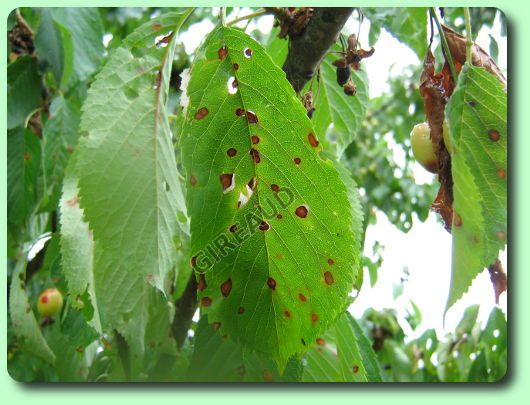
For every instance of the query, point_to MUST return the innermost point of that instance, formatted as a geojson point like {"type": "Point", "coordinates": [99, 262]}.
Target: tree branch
{"type": "Point", "coordinates": [185, 308]}
{"type": "Point", "coordinates": [307, 50]}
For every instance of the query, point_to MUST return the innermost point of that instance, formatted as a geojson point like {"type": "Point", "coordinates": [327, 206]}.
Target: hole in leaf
{"type": "Point", "coordinates": [328, 277]}
{"type": "Point", "coordinates": [247, 52]}
{"type": "Point", "coordinates": [252, 117]}
{"type": "Point", "coordinates": [255, 155]}
{"type": "Point", "coordinates": [312, 140]}
{"type": "Point", "coordinates": [301, 211]}
{"type": "Point", "coordinates": [494, 135]}
{"type": "Point", "coordinates": [226, 287]}
{"type": "Point", "coordinates": [240, 310]}
{"type": "Point", "coordinates": [297, 161]}
{"type": "Point", "coordinates": [201, 284]}
{"type": "Point", "coordinates": [231, 152]}
{"type": "Point", "coordinates": [206, 301]}
{"type": "Point", "coordinates": [201, 113]}
{"type": "Point", "coordinates": [264, 226]}
{"type": "Point", "coordinates": [302, 297]}
{"type": "Point", "coordinates": [222, 52]}
{"type": "Point", "coordinates": [232, 85]}
{"type": "Point", "coordinates": [227, 182]}
{"type": "Point", "coordinates": [271, 283]}
{"type": "Point", "coordinates": [255, 139]}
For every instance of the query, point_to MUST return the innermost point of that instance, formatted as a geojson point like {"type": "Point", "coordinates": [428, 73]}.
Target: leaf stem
{"type": "Point", "coordinates": [445, 45]}
{"type": "Point", "coordinates": [222, 14]}
{"type": "Point", "coordinates": [247, 17]}
{"type": "Point", "coordinates": [469, 45]}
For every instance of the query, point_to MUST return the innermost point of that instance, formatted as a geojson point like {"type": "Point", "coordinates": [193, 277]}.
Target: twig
{"type": "Point", "coordinates": [185, 308]}
{"type": "Point", "coordinates": [248, 17]}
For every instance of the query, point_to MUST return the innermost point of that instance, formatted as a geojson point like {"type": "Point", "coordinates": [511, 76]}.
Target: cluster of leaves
{"type": "Point", "coordinates": [472, 353]}
{"type": "Point", "coordinates": [128, 199]}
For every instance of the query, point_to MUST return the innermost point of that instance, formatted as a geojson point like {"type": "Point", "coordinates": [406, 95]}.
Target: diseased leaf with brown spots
{"type": "Point", "coordinates": [477, 115]}
{"type": "Point", "coordinates": [285, 214]}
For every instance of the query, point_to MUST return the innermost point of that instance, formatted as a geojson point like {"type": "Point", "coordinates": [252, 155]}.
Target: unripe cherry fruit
{"type": "Point", "coordinates": [423, 148]}
{"type": "Point", "coordinates": [50, 302]}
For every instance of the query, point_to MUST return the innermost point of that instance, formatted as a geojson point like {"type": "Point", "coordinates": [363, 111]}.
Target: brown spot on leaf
{"type": "Point", "coordinates": [301, 211]}
{"type": "Point", "coordinates": [328, 277]}
{"type": "Point", "coordinates": [252, 183]}
{"type": "Point", "coordinates": [27, 156]}
{"type": "Point", "coordinates": [240, 112]}
{"type": "Point", "coordinates": [255, 139]}
{"type": "Point", "coordinates": [226, 180]}
{"type": "Point", "coordinates": [255, 155]}
{"type": "Point", "coordinates": [216, 325]}
{"type": "Point", "coordinates": [494, 135]}
{"type": "Point", "coordinates": [355, 369]}
{"type": "Point", "coordinates": [73, 202]}
{"type": "Point", "coordinates": [226, 287]}
{"type": "Point", "coordinates": [231, 152]}
{"type": "Point", "coordinates": [240, 310]}
{"type": "Point", "coordinates": [252, 117]}
{"type": "Point", "coordinates": [274, 187]}
{"type": "Point", "coordinates": [457, 220]}
{"type": "Point", "coordinates": [314, 317]}
{"type": "Point", "coordinates": [501, 173]}
{"type": "Point", "coordinates": [236, 66]}
{"type": "Point", "coordinates": [193, 261]}
{"type": "Point", "coordinates": [222, 52]}
{"type": "Point", "coordinates": [247, 52]}
{"type": "Point", "coordinates": [501, 235]}
{"type": "Point", "coordinates": [264, 226]}
{"type": "Point", "coordinates": [302, 297]}
{"type": "Point", "coordinates": [279, 216]}
{"type": "Point", "coordinates": [297, 161]}
{"type": "Point", "coordinates": [201, 284]}
{"type": "Point", "coordinates": [206, 301]}
{"type": "Point", "coordinates": [233, 228]}
{"type": "Point", "coordinates": [267, 376]}
{"type": "Point", "coordinates": [475, 239]}
{"type": "Point", "coordinates": [193, 180]}
{"type": "Point", "coordinates": [241, 370]}
{"type": "Point", "coordinates": [331, 262]}
{"type": "Point", "coordinates": [287, 314]}
{"type": "Point", "coordinates": [271, 283]}
{"type": "Point", "coordinates": [303, 341]}
{"type": "Point", "coordinates": [203, 112]}
{"type": "Point", "coordinates": [312, 140]}
{"type": "Point", "coordinates": [321, 342]}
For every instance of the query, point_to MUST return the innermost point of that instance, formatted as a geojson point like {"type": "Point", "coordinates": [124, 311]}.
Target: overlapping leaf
{"type": "Point", "coordinates": [24, 323]}
{"type": "Point", "coordinates": [128, 181]}
{"type": "Point", "coordinates": [334, 106]}
{"type": "Point", "coordinates": [270, 218]}
{"type": "Point", "coordinates": [335, 357]}
{"type": "Point", "coordinates": [477, 115]}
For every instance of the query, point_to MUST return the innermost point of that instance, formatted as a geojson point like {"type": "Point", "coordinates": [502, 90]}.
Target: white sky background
{"type": "Point", "coordinates": [426, 249]}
